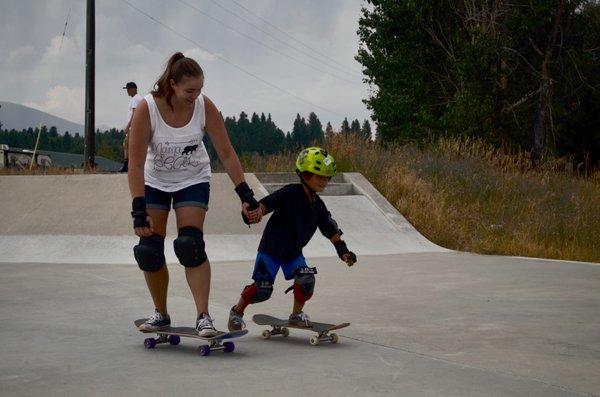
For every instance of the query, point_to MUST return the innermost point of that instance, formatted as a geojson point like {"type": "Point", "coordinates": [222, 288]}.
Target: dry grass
{"type": "Point", "coordinates": [468, 196]}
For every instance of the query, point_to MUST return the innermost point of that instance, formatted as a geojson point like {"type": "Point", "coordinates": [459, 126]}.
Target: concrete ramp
{"type": "Point", "coordinates": [85, 219]}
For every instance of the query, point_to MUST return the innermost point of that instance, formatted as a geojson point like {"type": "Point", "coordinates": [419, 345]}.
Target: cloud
{"type": "Point", "coordinates": [200, 55]}
{"type": "Point", "coordinates": [64, 102]}
{"type": "Point", "coordinates": [19, 55]}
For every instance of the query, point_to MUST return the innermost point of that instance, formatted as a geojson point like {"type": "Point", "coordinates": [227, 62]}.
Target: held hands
{"type": "Point", "coordinates": [344, 253]}
{"type": "Point", "coordinates": [251, 216]}
{"type": "Point", "coordinates": [142, 223]}
{"type": "Point", "coordinates": [251, 212]}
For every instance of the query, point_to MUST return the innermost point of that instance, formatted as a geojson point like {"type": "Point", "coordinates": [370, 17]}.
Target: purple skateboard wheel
{"type": "Point", "coordinates": [150, 343]}
{"type": "Point", "coordinates": [228, 347]}
{"type": "Point", "coordinates": [174, 340]}
{"type": "Point", "coordinates": [204, 350]}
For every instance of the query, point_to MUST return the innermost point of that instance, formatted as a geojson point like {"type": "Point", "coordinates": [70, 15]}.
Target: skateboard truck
{"type": "Point", "coordinates": [172, 335]}
{"type": "Point", "coordinates": [323, 336]}
{"type": "Point", "coordinates": [203, 350]}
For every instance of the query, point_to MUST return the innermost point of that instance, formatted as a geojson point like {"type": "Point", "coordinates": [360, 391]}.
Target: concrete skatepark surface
{"type": "Point", "coordinates": [425, 321]}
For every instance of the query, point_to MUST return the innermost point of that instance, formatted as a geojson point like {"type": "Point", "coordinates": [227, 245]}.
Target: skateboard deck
{"type": "Point", "coordinates": [173, 335]}
{"type": "Point", "coordinates": [281, 327]}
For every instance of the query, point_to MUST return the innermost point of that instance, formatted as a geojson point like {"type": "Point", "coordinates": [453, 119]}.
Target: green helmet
{"type": "Point", "coordinates": [317, 161]}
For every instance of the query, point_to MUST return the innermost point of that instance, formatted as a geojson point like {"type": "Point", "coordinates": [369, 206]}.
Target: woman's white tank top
{"type": "Point", "coordinates": [176, 157]}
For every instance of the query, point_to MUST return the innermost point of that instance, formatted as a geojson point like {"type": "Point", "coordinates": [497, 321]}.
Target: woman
{"type": "Point", "coordinates": [168, 163]}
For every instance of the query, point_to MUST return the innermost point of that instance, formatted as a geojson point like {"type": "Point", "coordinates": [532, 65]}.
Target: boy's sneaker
{"type": "Point", "coordinates": [300, 319]}
{"type": "Point", "coordinates": [236, 321]}
{"type": "Point", "coordinates": [205, 327]}
{"type": "Point", "coordinates": [156, 322]}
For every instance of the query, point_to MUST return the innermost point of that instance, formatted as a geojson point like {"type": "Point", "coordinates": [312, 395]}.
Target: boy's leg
{"type": "Point", "coordinates": [265, 271]}
{"type": "Point", "coordinates": [303, 287]}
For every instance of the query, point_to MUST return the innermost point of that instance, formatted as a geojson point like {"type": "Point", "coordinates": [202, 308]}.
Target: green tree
{"type": "Point", "coordinates": [365, 130]}
{"type": "Point", "coordinates": [329, 131]}
{"type": "Point", "coordinates": [315, 129]}
{"type": "Point", "coordinates": [345, 127]}
{"type": "Point", "coordinates": [524, 73]}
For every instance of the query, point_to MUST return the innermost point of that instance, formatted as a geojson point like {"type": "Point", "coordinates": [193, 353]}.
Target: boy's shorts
{"type": "Point", "coordinates": [266, 267]}
{"type": "Point", "coordinates": [191, 196]}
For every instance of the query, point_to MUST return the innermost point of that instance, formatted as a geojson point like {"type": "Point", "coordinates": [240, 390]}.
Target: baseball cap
{"type": "Point", "coordinates": [131, 84]}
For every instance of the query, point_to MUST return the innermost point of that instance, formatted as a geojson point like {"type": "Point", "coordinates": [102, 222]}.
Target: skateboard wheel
{"type": "Point", "coordinates": [174, 340]}
{"type": "Point", "coordinates": [314, 340]}
{"type": "Point", "coordinates": [228, 347]}
{"type": "Point", "coordinates": [266, 334]}
{"type": "Point", "coordinates": [204, 350]}
{"type": "Point", "coordinates": [285, 332]}
{"type": "Point", "coordinates": [150, 343]}
{"type": "Point", "coordinates": [335, 338]}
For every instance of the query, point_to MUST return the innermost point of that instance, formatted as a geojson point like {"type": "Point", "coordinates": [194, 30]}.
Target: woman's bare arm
{"type": "Point", "coordinates": [139, 137]}
{"type": "Point", "coordinates": [215, 128]}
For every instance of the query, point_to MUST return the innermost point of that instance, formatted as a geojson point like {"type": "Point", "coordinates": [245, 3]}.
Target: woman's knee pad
{"type": "Point", "coordinates": [150, 253]}
{"type": "Point", "coordinates": [189, 246]}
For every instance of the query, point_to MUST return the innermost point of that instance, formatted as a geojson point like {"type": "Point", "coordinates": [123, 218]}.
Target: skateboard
{"type": "Point", "coordinates": [281, 327]}
{"type": "Point", "coordinates": [173, 335]}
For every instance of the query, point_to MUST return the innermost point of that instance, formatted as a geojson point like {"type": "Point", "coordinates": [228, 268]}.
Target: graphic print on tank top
{"type": "Point", "coordinates": [177, 154]}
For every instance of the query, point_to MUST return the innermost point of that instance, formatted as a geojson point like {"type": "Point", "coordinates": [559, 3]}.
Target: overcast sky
{"type": "Point", "coordinates": [306, 66]}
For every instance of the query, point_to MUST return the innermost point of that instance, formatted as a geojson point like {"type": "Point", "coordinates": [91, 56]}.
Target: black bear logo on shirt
{"type": "Point", "coordinates": [189, 149]}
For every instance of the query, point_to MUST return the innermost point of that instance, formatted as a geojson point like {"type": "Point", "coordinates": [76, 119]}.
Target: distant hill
{"type": "Point", "coordinates": [19, 117]}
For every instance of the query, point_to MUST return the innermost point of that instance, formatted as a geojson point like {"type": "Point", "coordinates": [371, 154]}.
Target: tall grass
{"type": "Point", "coordinates": [466, 195]}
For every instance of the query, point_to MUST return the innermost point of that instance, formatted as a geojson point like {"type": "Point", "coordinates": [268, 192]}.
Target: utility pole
{"type": "Point", "coordinates": [89, 151]}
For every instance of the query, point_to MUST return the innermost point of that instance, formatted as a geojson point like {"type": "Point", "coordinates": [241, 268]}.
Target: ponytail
{"type": "Point", "coordinates": [177, 67]}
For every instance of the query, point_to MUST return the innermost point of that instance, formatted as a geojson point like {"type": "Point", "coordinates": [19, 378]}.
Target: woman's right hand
{"type": "Point", "coordinates": [145, 231]}
{"type": "Point", "coordinates": [142, 223]}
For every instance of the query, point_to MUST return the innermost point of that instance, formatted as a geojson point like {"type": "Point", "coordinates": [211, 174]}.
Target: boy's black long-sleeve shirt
{"type": "Point", "coordinates": [294, 221]}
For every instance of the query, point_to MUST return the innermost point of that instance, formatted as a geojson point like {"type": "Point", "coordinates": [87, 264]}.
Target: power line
{"type": "Point", "coordinates": [345, 70]}
{"type": "Point", "coordinates": [65, 29]}
{"type": "Point", "coordinates": [228, 61]}
{"type": "Point", "coordinates": [288, 35]}
{"type": "Point", "coordinates": [266, 45]}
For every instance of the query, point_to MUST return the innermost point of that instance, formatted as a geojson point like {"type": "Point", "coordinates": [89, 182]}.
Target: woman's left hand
{"type": "Point", "coordinates": [253, 216]}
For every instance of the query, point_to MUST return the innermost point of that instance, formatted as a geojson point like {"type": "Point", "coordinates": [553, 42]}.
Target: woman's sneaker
{"type": "Point", "coordinates": [236, 321]}
{"type": "Point", "coordinates": [156, 322]}
{"type": "Point", "coordinates": [205, 327]}
{"type": "Point", "coordinates": [300, 319]}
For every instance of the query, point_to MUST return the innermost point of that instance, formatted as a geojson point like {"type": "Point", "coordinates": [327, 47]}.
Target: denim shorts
{"type": "Point", "coordinates": [191, 196]}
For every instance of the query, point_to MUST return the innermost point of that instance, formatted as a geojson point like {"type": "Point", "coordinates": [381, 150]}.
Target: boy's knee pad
{"type": "Point", "coordinates": [304, 283]}
{"type": "Point", "coordinates": [259, 291]}
{"type": "Point", "coordinates": [150, 253]}
{"type": "Point", "coordinates": [189, 246]}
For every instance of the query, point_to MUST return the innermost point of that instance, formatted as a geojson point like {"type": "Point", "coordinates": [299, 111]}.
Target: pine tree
{"type": "Point", "coordinates": [315, 129]}
{"type": "Point", "coordinates": [328, 131]}
{"type": "Point", "coordinates": [345, 127]}
{"type": "Point", "coordinates": [365, 131]}
{"type": "Point", "coordinates": [355, 128]}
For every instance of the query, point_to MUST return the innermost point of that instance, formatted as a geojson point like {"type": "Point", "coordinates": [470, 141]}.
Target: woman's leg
{"type": "Point", "coordinates": [198, 277]}
{"type": "Point", "coordinates": [158, 281]}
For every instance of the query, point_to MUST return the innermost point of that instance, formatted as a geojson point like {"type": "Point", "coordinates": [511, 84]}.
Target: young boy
{"type": "Point", "coordinates": [297, 213]}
